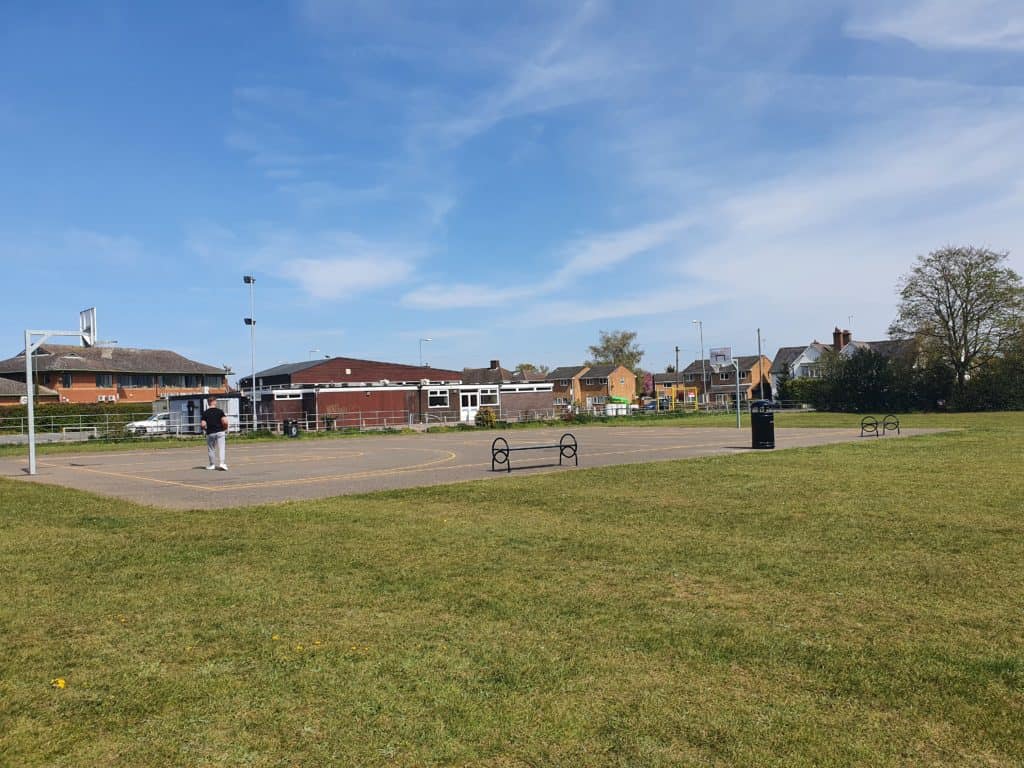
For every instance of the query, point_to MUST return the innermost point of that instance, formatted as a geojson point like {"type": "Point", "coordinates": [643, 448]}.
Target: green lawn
{"type": "Point", "coordinates": [860, 604]}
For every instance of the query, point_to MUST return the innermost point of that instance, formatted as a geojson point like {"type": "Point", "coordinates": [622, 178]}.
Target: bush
{"type": "Point", "coordinates": [486, 418]}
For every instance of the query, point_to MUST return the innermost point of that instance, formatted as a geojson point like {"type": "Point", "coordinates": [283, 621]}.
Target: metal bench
{"type": "Point", "coordinates": [501, 452]}
{"type": "Point", "coordinates": [869, 425]}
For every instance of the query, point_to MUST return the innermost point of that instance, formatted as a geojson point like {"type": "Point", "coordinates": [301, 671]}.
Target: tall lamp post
{"type": "Point", "coordinates": [421, 350]}
{"type": "Point", "coordinates": [251, 322]}
{"type": "Point", "coordinates": [703, 372]}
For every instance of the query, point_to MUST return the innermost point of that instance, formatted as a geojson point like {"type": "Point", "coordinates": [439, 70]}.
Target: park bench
{"type": "Point", "coordinates": [869, 425]}
{"type": "Point", "coordinates": [501, 452]}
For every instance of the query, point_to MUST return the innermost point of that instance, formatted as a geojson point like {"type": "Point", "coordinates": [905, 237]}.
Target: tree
{"type": "Point", "coordinates": [529, 370]}
{"type": "Point", "coordinates": [961, 304]}
{"type": "Point", "coordinates": [617, 348]}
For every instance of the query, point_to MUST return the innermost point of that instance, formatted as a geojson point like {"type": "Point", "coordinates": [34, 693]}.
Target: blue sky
{"type": "Point", "coordinates": [507, 179]}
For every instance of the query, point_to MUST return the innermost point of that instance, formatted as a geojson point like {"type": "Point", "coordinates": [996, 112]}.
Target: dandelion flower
{"type": "Point", "coordinates": [59, 682]}
{"type": "Point", "coordinates": [275, 637]}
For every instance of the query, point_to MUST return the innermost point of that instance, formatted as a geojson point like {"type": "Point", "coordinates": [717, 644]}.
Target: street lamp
{"type": "Point", "coordinates": [251, 322]}
{"type": "Point", "coordinates": [421, 350]}
{"type": "Point", "coordinates": [703, 372]}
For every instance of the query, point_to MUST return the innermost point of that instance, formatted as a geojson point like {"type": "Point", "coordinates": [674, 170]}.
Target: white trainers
{"type": "Point", "coordinates": [223, 467]}
{"type": "Point", "coordinates": [212, 466]}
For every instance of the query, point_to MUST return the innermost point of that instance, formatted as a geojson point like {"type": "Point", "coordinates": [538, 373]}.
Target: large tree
{"type": "Point", "coordinates": [529, 369]}
{"type": "Point", "coordinates": [617, 348]}
{"type": "Point", "coordinates": [960, 303]}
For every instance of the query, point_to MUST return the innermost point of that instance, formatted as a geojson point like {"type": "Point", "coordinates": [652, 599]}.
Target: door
{"type": "Point", "coordinates": [470, 405]}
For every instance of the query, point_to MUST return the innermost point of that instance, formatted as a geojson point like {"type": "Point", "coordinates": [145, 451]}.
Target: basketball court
{"type": "Point", "coordinates": [285, 470]}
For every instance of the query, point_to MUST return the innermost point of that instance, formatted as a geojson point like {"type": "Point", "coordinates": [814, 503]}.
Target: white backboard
{"type": "Point", "coordinates": [721, 355]}
{"type": "Point", "coordinates": [87, 326]}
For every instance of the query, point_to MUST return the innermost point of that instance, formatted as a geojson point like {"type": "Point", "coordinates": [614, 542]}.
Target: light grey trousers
{"type": "Point", "coordinates": [215, 444]}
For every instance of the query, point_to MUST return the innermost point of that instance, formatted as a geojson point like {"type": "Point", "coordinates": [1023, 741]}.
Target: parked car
{"type": "Point", "coordinates": [157, 424]}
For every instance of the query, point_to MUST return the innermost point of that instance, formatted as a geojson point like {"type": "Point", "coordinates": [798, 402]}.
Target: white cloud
{"type": "Point", "coordinates": [945, 24]}
{"type": "Point", "coordinates": [345, 277]}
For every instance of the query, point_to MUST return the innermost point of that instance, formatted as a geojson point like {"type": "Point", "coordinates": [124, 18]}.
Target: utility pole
{"type": "Point", "coordinates": [675, 389]}
{"type": "Point", "coordinates": [760, 373]}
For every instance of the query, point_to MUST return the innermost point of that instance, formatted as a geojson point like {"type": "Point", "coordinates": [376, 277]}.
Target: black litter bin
{"type": "Point", "coordinates": [291, 428]}
{"type": "Point", "coordinates": [762, 424]}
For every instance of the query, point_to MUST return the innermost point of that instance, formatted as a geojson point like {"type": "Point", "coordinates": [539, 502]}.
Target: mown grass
{"type": "Point", "coordinates": [858, 604]}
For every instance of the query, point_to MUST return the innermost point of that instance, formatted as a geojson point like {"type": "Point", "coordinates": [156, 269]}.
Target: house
{"type": "Point", "coordinates": [14, 393]}
{"type": "Point", "coordinates": [517, 398]}
{"type": "Point", "coordinates": [797, 363]}
{"type": "Point", "coordinates": [754, 371]}
{"type": "Point", "coordinates": [675, 389]}
{"type": "Point", "coordinates": [566, 386]}
{"type": "Point", "coordinates": [806, 362]}
{"type": "Point", "coordinates": [346, 391]}
{"type": "Point", "coordinates": [601, 382]}
{"type": "Point", "coordinates": [115, 374]}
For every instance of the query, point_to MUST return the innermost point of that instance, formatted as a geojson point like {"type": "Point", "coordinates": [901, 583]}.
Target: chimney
{"type": "Point", "coordinates": [837, 339]}
{"type": "Point", "coordinates": [847, 337]}
{"type": "Point", "coordinates": [495, 365]}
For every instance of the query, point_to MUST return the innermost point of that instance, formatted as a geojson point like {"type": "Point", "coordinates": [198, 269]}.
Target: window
{"type": "Point", "coordinates": [46, 379]}
{"type": "Point", "coordinates": [193, 381]}
{"type": "Point", "coordinates": [134, 380]}
{"type": "Point", "coordinates": [622, 380]}
{"type": "Point", "coordinates": [561, 401]}
{"type": "Point", "coordinates": [172, 380]}
{"type": "Point", "coordinates": [105, 380]}
{"type": "Point", "coordinates": [744, 374]}
{"type": "Point", "coordinates": [489, 397]}
{"type": "Point", "coordinates": [598, 400]}
{"type": "Point", "coordinates": [212, 380]}
{"type": "Point", "coordinates": [723, 376]}
{"type": "Point", "coordinates": [562, 382]}
{"type": "Point", "coordinates": [65, 380]}
{"type": "Point", "coordinates": [437, 398]}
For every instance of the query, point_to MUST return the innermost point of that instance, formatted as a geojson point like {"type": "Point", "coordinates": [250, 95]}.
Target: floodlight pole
{"type": "Point", "coordinates": [421, 350]}
{"type": "Point", "coordinates": [675, 389]}
{"type": "Point", "coordinates": [703, 372]}
{"type": "Point", "coordinates": [251, 322]}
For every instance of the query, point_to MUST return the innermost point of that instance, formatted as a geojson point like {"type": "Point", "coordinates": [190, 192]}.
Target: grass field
{"type": "Point", "coordinates": [858, 604]}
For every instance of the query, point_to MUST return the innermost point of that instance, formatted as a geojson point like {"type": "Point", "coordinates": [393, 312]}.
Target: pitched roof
{"type": "Point", "coordinates": [785, 356]}
{"type": "Point", "coordinates": [351, 370]}
{"type": "Point", "coordinates": [486, 375]}
{"type": "Point", "coordinates": [887, 348]}
{"type": "Point", "coordinates": [565, 372]}
{"type": "Point", "coordinates": [66, 357]}
{"type": "Point", "coordinates": [669, 377]}
{"type": "Point", "coordinates": [9, 387]}
{"type": "Point", "coordinates": [602, 371]}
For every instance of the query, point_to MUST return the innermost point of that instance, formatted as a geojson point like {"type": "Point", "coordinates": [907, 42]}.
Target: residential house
{"type": "Point", "coordinates": [674, 388]}
{"type": "Point", "coordinates": [115, 374]}
{"type": "Point", "coordinates": [797, 363]}
{"type": "Point", "coordinates": [603, 381]}
{"type": "Point", "coordinates": [754, 371]}
{"type": "Point", "coordinates": [566, 384]}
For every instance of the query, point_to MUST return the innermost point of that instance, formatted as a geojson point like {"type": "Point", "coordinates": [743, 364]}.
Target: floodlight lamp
{"type": "Point", "coordinates": [248, 279]}
{"type": "Point", "coordinates": [250, 321]}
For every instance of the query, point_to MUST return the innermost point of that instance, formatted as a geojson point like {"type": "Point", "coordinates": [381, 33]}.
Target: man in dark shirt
{"type": "Point", "coordinates": [215, 424]}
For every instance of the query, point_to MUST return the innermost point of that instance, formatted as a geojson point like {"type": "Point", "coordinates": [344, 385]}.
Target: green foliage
{"type": "Point", "coordinates": [617, 348]}
{"type": "Point", "coordinates": [961, 304]}
{"type": "Point", "coordinates": [486, 417]}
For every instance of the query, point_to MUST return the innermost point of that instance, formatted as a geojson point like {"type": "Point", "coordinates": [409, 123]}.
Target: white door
{"type": "Point", "coordinates": [470, 405]}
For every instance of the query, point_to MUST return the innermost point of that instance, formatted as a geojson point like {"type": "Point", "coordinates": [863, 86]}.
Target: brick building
{"type": "Point", "coordinates": [115, 374]}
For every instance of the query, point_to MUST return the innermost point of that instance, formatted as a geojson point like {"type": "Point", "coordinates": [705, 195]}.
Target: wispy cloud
{"type": "Point", "coordinates": [945, 24]}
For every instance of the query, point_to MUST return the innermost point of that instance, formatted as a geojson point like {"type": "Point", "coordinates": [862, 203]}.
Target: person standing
{"type": "Point", "coordinates": [215, 424]}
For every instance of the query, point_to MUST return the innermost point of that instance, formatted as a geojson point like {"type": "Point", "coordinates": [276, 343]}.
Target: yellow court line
{"type": "Point", "coordinates": [350, 476]}
{"type": "Point", "coordinates": [240, 462]}
{"type": "Point", "coordinates": [141, 477]}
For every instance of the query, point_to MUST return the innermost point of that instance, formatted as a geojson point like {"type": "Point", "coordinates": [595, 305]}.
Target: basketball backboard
{"type": "Point", "coordinates": [87, 326]}
{"type": "Point", "coordinates": [720, 356]}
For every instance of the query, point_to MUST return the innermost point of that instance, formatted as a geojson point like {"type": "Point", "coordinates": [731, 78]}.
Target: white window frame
{"type": "Point", "coordinates": [438, 393]}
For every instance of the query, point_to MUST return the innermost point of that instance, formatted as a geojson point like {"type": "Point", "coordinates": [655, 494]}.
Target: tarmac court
{"type": "Point", "coordinates": [291, 469]}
